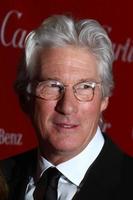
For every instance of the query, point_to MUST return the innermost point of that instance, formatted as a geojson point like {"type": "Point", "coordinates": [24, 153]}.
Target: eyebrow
{"type": "Point", "coordinates": [79, 81]}
{"type": "Point", "coordinates": [49, 79]}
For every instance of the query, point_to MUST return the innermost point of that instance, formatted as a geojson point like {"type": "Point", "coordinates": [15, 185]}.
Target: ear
{"type": "Point", "coordinates": [104, 103]}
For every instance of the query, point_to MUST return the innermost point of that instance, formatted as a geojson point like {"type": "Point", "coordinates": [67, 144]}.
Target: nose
{"type": "Point", "coordinates": [68, 104]}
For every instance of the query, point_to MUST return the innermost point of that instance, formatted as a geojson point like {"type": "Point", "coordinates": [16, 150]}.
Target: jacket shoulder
{"type": "Point", "coordinates": [20, 161]}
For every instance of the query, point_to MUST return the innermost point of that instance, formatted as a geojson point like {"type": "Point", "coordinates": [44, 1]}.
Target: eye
{"type": "Point", "coordinates": [53, 84]}
{"type": "Point", "coordinates": [85, 86]}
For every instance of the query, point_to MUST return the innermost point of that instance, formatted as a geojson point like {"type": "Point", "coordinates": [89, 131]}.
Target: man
{"type": "Point", "coordinates": [64, 85]}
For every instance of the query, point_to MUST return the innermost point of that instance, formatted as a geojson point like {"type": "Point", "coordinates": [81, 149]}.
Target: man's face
{"type": "Point", "coordinates": [67, 125]}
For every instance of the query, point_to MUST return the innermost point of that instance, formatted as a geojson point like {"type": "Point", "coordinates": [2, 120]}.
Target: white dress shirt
{"type": "Point", "coordinates": [73, 170]}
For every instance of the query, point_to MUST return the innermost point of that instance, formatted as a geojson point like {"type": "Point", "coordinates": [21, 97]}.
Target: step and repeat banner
{"type": "Point", "coordinates": [17, 19]}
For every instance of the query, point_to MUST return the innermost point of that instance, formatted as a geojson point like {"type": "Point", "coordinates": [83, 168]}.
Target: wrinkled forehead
{"type": "Point", "coordinates": [68, 62]}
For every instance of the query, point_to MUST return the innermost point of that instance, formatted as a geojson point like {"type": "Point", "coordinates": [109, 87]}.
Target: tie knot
{"type": "Point", "coordinates": [46, 188]}
{"type": "Point", "coordinates": [52, 171]}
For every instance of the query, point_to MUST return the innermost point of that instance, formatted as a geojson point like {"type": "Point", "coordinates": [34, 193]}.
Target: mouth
{"type": "Point", "coordinates": [66, 126]}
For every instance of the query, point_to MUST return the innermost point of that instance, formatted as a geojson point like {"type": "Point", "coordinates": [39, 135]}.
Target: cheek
{"type": "Point", "coordinates": [43, 110]}
{"type": "Point", "coordinates": [90, 112]}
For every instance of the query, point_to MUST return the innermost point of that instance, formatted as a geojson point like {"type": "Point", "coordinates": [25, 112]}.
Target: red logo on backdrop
{"type": "Point", "coordinates": [123, 51]}
{"type": "Point", "coordinates": [18, 36]}
{"type": "Point", "coordinates": [10, 138]}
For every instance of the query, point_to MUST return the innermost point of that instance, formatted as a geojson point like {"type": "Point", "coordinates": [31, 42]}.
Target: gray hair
{"type": "Point", "coordinates": [60, 31]}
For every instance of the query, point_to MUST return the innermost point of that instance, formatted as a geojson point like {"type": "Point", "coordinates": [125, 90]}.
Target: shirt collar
{"type": "Point", "coordinates": [82, 161]}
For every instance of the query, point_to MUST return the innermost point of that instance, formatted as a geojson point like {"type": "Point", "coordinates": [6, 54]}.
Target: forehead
{"type": "Point", "coordinates": [68, 63]}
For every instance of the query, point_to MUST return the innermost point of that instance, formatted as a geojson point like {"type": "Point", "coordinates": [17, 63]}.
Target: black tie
{"type": "Point", "coordinates": [46, 188]}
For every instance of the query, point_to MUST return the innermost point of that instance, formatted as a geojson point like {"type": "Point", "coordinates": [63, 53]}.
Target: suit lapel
{"type": "Point", "coordinates": [24, 167]}
{"type": "Point", "coordinates": [103, 177]}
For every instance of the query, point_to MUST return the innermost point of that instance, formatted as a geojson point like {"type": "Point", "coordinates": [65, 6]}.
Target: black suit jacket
{"type": "Point", "coordinates": [110, 177]}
